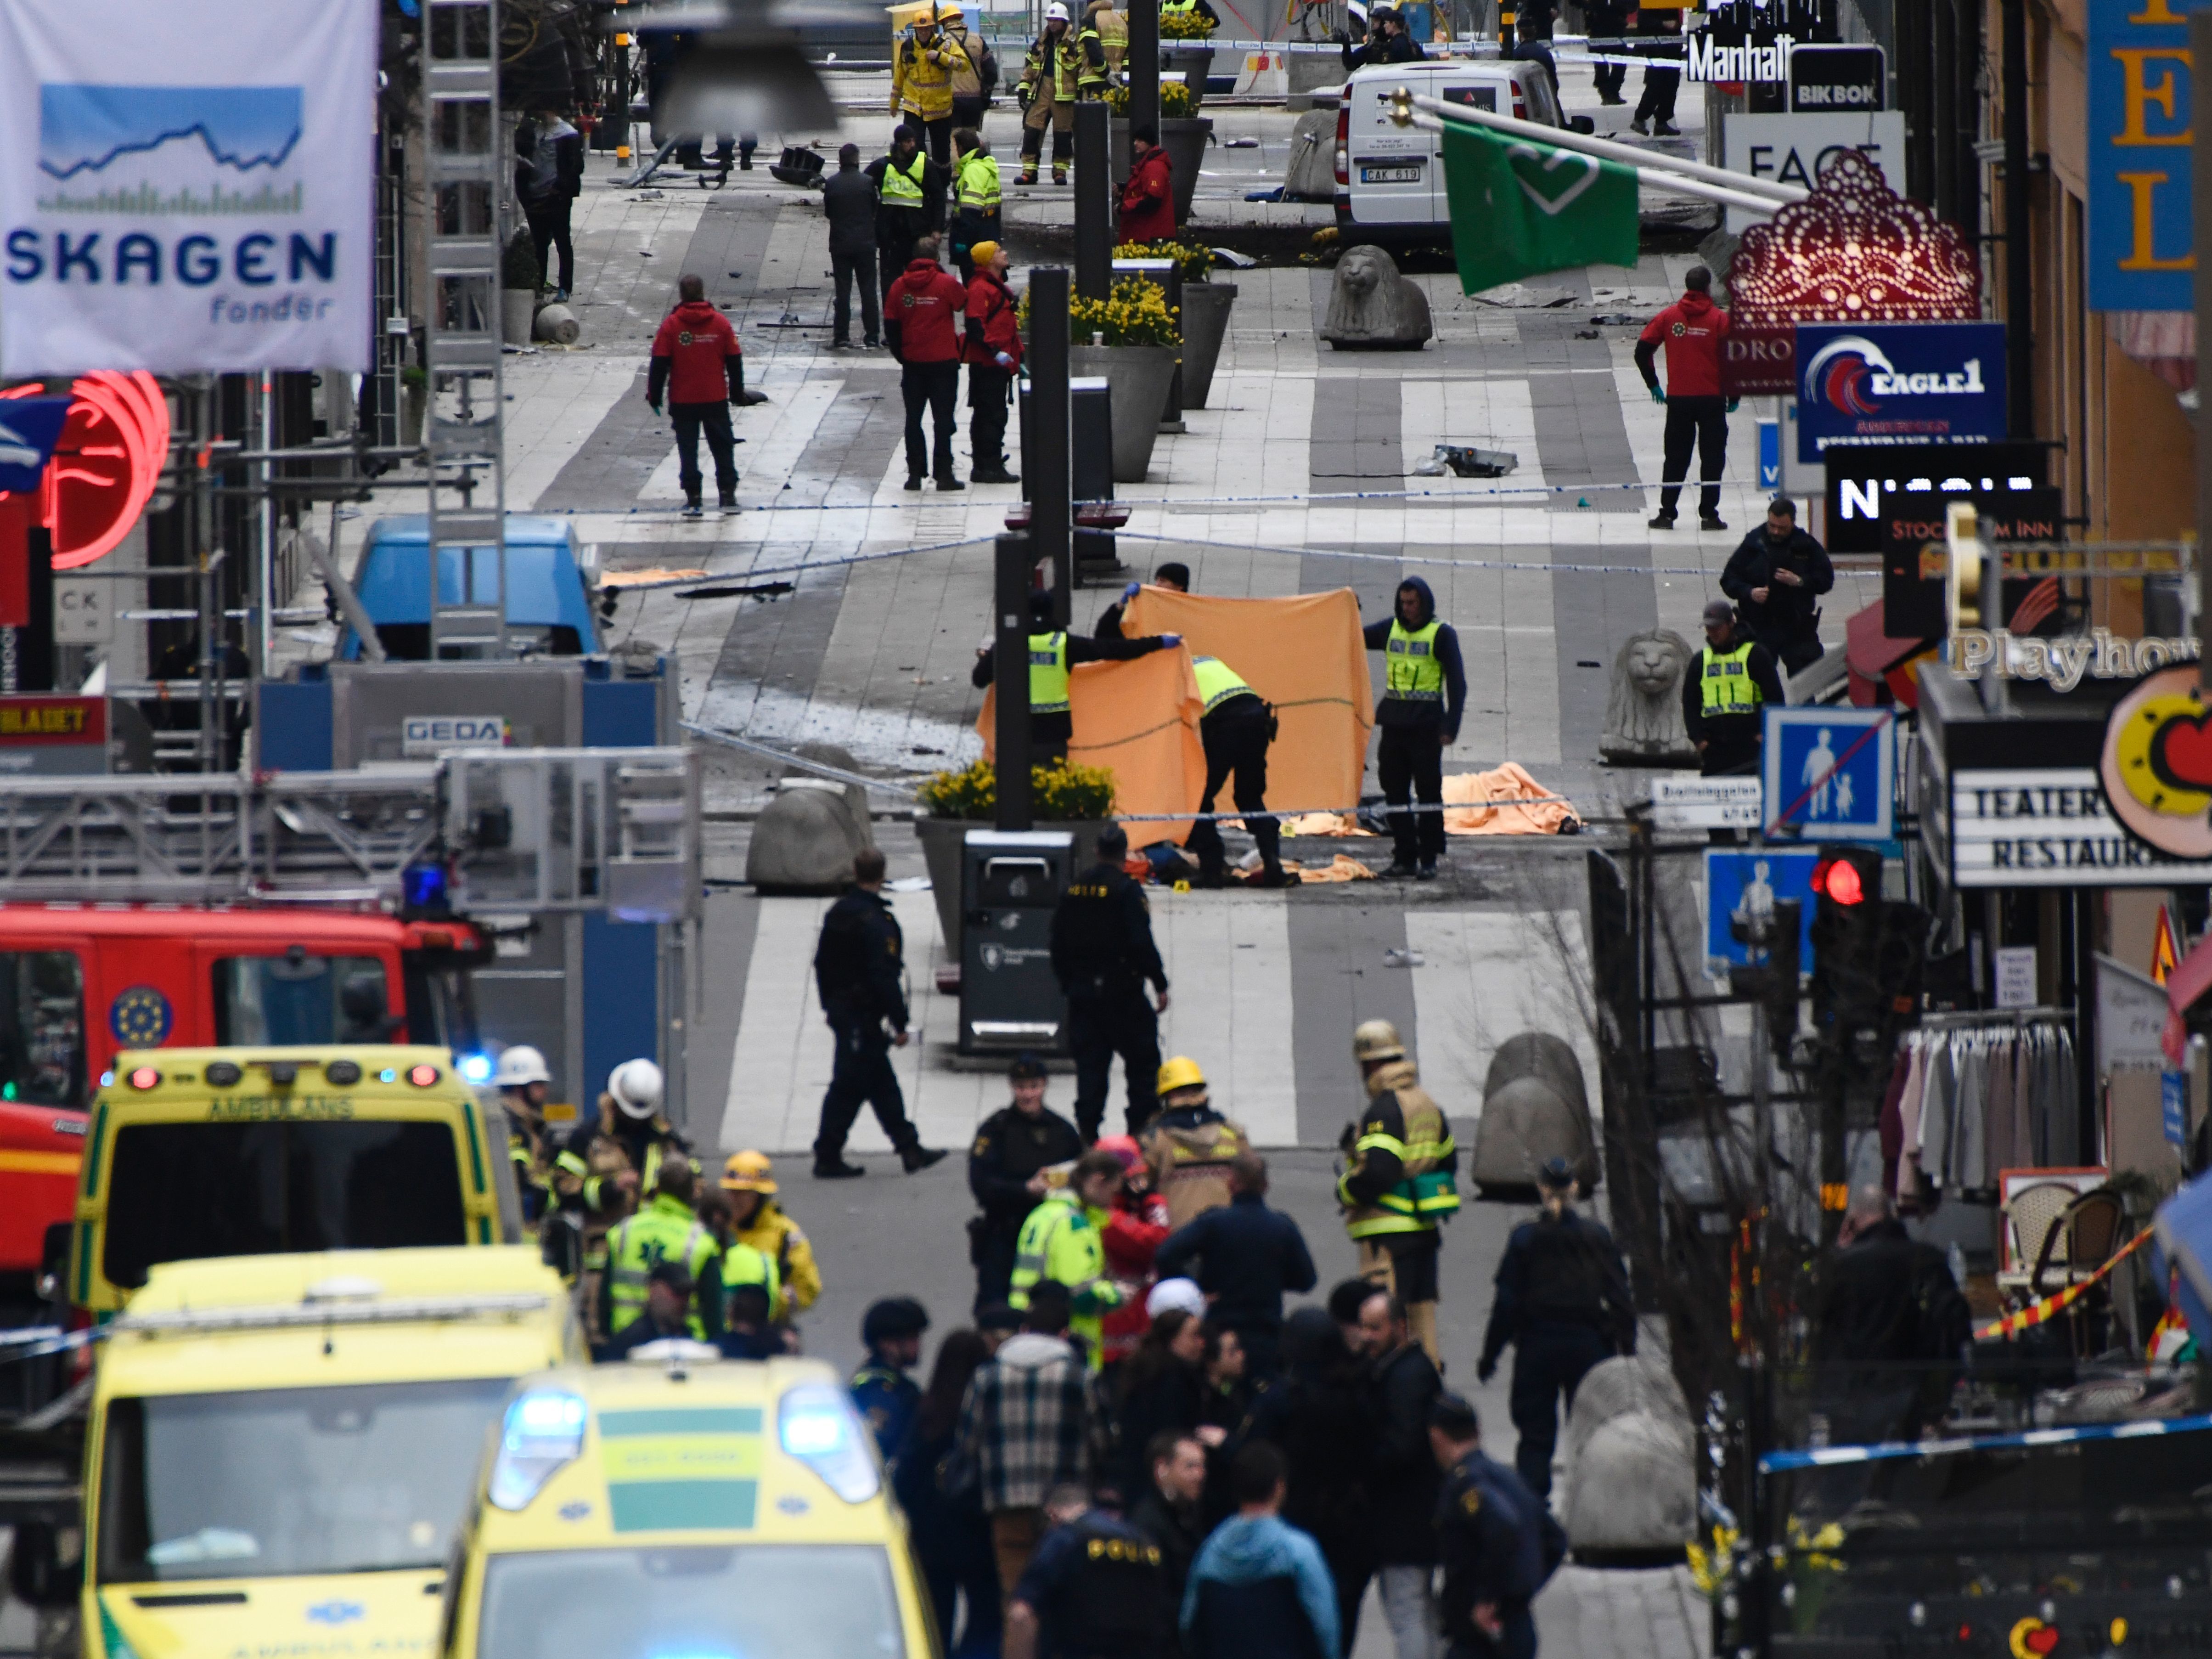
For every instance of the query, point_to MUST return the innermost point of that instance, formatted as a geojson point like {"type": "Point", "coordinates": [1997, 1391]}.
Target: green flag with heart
{"type": "Point", "coordinates": [1519, 207]}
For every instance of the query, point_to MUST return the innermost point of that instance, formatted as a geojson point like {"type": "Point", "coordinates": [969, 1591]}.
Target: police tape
{"type": "Point", "coordinates": [1285, 498]}
{"type": "Point", "coordinates": [1823, 1457]}
{"type": "Point", "coordinates": [715, 734]}
{"type": "Point", "coordinates": [2037, 1313]}
{"type": "Point", "coordinates": [38, 1341]}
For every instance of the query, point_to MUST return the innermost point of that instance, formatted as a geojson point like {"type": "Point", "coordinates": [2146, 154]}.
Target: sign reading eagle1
{"type": "Point", "coordinates": [1899, 383]}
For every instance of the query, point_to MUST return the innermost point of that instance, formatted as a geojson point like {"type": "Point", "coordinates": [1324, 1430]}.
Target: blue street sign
{"type": "Point", "coordinates": [1899, 383]}
{"type": "Point", "coordinates": [2173, 1106]}
{"type": "Point", "coordinates": [1829, 771]}
{"type": "Point", "coordinates": [29, 430]}
{"type": "Point", "coordinates": [1750, 879]}
{"type": "Point", "coordinates": [1769, 455]}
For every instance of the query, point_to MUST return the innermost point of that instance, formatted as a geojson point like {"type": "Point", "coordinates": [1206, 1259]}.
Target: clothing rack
{"type": "Point", "coordinates": [1970, 1017]}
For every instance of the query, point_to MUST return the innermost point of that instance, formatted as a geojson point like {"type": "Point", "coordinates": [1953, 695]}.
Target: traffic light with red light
{"type": "Point", "coordinates": [1850, 969]}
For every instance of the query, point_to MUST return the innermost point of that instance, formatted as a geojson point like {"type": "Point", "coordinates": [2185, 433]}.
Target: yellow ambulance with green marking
{"type": "Point", "coordinates": [199, 1153]}
{"type": "Point", "coordinates": [280, 1446]}
{"type": "Point", "coordinates": [684, 1506]}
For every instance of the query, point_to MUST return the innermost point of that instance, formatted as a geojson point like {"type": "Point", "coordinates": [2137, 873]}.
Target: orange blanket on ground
{"type": "Point", "coordinates": [1305, 656]}
{"type": "Point", "coordinates": [1503, 802]}
{"type": "Point", "coordinates": [1139, 719]}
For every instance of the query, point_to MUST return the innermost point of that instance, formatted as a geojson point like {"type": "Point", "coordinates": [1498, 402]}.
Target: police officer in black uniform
{"type": "Point", "coordinates": [1014, 1145]}
{"type": "Point", "coordinates": [1496, 1541]}
{"type": "Point", "coordinates": [1103, 953]}
{"type": "Point", "coordinates": [1563, 1301]}
{"type": "Point", "coordinates": [858, 968]}
{"type": "Point", "coordinates": [1095, 1589]}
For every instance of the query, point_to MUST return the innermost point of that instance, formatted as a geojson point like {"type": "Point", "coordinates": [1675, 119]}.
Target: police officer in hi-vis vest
{"type": "Point", "coordinates": [1425, 694]}
{"type": "Point", "coordinates": [1403, 1179]}
{"type": "Point", "coordinates": [1053, 653]}
{"type": "Point", "coordinates": [1728, 684]}
{"type": "Point", "coordinates": [1237, 729]}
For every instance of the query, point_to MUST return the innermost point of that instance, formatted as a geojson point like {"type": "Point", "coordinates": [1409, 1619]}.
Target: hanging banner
{"type": "Point", "coordinates": [174, 201]}
{"type": "Point", "coordinates": [2142, 244]}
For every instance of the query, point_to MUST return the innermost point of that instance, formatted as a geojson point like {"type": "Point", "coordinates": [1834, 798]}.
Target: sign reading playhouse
{"type": "Point", "coordinates": [164, 207]}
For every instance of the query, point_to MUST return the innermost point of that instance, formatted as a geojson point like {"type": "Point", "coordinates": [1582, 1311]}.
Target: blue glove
{"type": "Point", "coordinates": [1130, 591]}
{"type": "Point", "coordinates": [1657, 396]}
{"type": "Point", "coordinates": [651, 405]}
{"type": "Point", "coordinates": [1170, 640]}
{"type": "Point", "coordinates": [1732, 403]}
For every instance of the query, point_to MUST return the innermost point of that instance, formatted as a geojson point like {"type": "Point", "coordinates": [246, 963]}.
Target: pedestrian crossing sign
{"type": "Point", "coordinates": [1829, 772]}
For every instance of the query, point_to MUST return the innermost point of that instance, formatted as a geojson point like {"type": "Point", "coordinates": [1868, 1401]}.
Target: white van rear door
{"type": "Point", "coordinates": [1477, 94]}
{"type": "Point", "coordinates": [1393, 168]}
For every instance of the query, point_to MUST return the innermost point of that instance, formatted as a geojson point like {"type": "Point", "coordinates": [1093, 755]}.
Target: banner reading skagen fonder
{"type": "Point", "coordinates": [185, 186]}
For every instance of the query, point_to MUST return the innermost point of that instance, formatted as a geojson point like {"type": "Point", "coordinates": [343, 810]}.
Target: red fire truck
{"type": "Point", "coordinates": [78, 982]}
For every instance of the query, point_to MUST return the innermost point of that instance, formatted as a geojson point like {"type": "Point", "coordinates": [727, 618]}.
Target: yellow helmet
{"type": "Point", "coordinates": [1181, 1073]}
{"type": "Point", "coordinates": [1377, 1039]}
{"type": "Point", "coordinates": [747, 1172]}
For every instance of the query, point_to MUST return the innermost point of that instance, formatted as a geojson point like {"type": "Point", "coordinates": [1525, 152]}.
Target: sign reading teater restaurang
{"type": "Point", "coordinates": [185, 186]}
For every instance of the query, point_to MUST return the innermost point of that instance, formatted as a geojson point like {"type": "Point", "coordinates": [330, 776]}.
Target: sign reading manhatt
{"type": "Point", "coordinates": [185, 187]}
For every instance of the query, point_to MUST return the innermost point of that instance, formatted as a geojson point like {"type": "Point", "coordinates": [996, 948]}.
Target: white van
{"type": "Point", "coordinates": [1389, 178]}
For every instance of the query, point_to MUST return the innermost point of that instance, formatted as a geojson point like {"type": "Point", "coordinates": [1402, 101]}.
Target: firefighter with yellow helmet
{"type": "Point", "coordinates": [1403, 1178]}
{"type": "Point", "coordinates": [756, 1220]}
{"type": "Point", "coordinates": [1189, 1145]}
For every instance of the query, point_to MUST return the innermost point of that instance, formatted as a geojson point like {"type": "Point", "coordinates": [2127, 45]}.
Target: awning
{"type": "Point", "coordinates": [1876, 659]}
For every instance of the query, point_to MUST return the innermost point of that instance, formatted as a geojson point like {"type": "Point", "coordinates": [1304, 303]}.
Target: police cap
{"type": "Point", "coordinates": [1454, 1416]}
{"type": "Point", "coordinates": [894, 1317]}
{"type": "Point", "coordinates": [1026, 1068]}
{"type": "Point", "coordinates": [1555, 1173]}
{"type": "Point", "coordinates": [998, 1316]}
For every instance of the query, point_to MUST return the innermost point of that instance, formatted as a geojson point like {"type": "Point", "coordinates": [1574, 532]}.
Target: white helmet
{"type": "Point", "coordinates": [520, 1065]}
{"type": "Point", "coordinates": [635, 1085]}
{"type": "Point", "coordinates": [1055, 13]}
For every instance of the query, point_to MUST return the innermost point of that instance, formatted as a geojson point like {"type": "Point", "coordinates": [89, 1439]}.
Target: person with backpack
{"type": "Point", "coordinates": [1496, 1540]}
{"type": "Point", "coordinates": [974, 68]}
{"type": "Point", "coordinates": [859, 971]}
{"type": "Point", "coordinates": [1889, 1326]}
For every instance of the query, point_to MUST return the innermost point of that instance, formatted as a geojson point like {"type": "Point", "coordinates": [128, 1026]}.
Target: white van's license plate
{"type": "Point", "coordinates": [1411, 175]}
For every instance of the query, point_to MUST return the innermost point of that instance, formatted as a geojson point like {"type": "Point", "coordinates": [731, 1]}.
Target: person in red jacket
{"type": "Point", "coordinates": [1691, 330]}
{"type": "Point", "coordinates": [1135, 1229]}
{"type": "Point", "coordinates": [992, 350]}
{"type": "Point", "coordinates": [1148, 199]}
{"type": "Point", "coordinates": [695, 366]}
{"type": "Point", "coordinates": [921, 325]}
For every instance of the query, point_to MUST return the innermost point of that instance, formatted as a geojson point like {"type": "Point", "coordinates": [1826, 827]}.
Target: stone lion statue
{"type": "Point", "coordinates": [1373, 307]}
{"type": "Point", "coordinates": [1643, 711]}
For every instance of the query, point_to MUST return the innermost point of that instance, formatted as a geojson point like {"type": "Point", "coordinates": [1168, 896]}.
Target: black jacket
{"type": "Point", "coordinates": [1008, 1149]}
{"type": "Point", "coordinates": [1322, 1417]}
{"type": "Point", "coordinates": [1496, 1541]}
{"type": "Point", "coordinates": [1393, 711]}
{"type": "Point", "coordinates": [1562, 1272]}
{"type": "Point", "coordinates": [1101, 937]}
{"type": "Point", "coordinates": [1789, 613]}
{"type": "Point", "coordinates": [1177, 1531]}
{"type": "Point", "coordinates": [1867, 1306]}
{"type": "Point", "coordinates": [1383, 49]}
{"type": "Point", "coordinates": [1736, 735]}
{"type": "Point", "coordinates": [859, 962]}
{"type": "Point", "coordinates": [848, 201]}
{"type": "Point", "coordinates": [1404, 1479]}
{"type": "Point", "coordinates": [1244, 1256]}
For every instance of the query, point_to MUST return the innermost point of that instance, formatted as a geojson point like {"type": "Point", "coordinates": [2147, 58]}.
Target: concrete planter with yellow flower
{"type": "Point", "coordinates": [1133, 341]}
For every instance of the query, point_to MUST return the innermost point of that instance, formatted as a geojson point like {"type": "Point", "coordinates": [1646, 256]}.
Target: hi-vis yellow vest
{"type": "Point", "coordinates": [1411, 669]}
{"type": "Point", "coordinates": [1218, 682]}
{"type": "Point", "coordinates": [1424, 1194]}
{"type": "Point", "coordinates": [1048, 673]}
{"type": "Point", "coordinates": [1726, 686]}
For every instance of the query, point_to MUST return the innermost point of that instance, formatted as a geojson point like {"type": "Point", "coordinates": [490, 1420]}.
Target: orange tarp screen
{"type": "Point", "coordinates": [1139, 719]}
{"type": "Point", "coordinates": [1305, 656]}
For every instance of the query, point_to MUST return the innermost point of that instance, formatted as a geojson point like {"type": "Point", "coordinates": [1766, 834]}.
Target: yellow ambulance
{"type": "Point", "coordinates": [198, 1153]}
{"type": "Point", "coordinates": [280, 1446]}
{"type": "Point", "coordinates": [684, 1506]}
